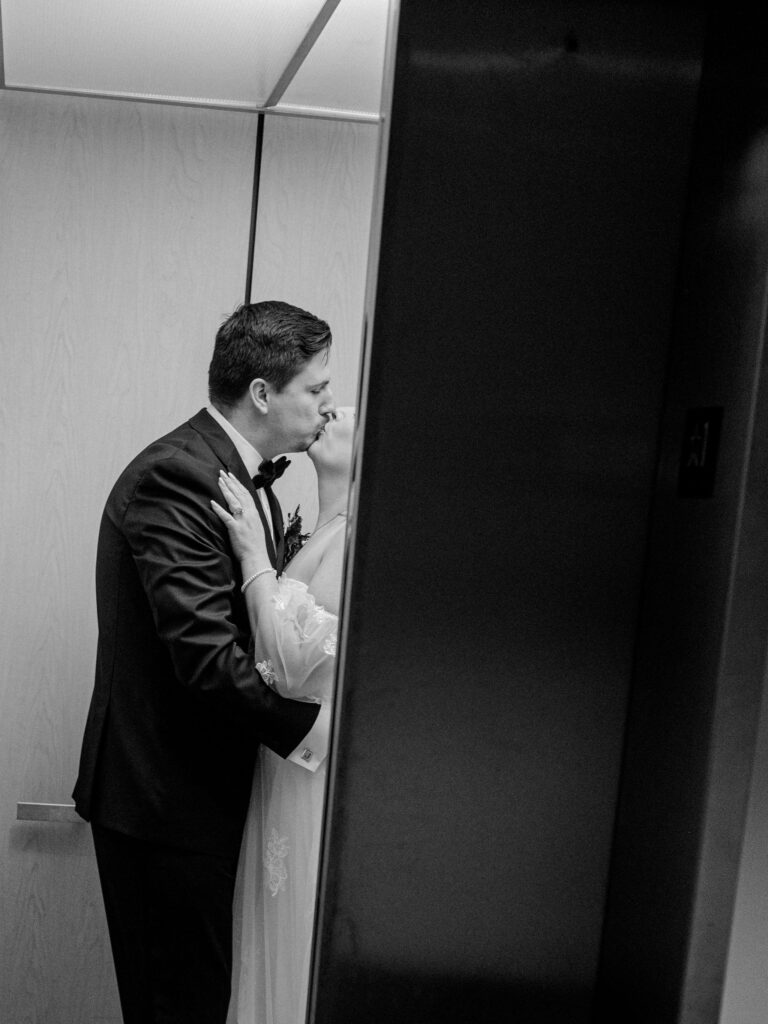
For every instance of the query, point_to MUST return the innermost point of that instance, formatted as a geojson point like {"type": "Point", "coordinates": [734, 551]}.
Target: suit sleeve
{"type": "Point", "coordinates": [184, 563]}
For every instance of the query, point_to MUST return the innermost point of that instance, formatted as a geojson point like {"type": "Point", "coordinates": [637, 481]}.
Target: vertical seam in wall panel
{"type": "Point", "coordinates": [2, 51]}
{"type": "Point", "coordinates": [254, 205]}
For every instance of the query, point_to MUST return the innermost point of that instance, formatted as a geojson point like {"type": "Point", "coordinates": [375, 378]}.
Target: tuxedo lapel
{"type": "Point", "coordinates": [267, 530]}
{"type": "Point", "coordinates": [277, 522]}
{"type": "Point", "coordinates": [224, 450]}
{"type": "Point", "coordinates": [218, 441]}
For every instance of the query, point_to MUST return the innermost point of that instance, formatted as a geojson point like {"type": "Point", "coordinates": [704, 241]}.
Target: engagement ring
{"type": "Point", "coordinates": [237, 510]}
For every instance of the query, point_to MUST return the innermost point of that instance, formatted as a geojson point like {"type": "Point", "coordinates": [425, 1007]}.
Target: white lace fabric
{"type": "Point", "coordinates": [274, 862]}
{"type": "Point", "coordinates": [295, 643]}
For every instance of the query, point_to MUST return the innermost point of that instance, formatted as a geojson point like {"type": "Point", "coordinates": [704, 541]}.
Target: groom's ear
{"type": "Point", "coordinates": [259, 392]}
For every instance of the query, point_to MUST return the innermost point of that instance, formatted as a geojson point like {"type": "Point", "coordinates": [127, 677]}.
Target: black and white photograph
{"type": "Point", "coordinates": [384, 545]}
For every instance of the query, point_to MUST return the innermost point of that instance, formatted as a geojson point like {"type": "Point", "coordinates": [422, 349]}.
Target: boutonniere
{"type": "Point", "coordinates": [294, 538]}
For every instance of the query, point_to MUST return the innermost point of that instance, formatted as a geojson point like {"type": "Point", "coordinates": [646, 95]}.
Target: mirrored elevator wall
{"type": "Point", "coordinates": [124, 245]}
{"type": "Point", "coordinates": [534, 214]}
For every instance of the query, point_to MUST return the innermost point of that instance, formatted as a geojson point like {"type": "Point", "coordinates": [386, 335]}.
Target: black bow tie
{"type": "Point", "coordinates": [270, 471]}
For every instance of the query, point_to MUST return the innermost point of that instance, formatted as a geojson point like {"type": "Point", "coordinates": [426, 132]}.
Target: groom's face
{"type": "Point", "coordinates": [298, 413]}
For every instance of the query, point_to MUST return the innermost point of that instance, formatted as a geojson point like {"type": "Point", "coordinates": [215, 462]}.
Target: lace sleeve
{"type": "Point", "coordinates": [296, 643]}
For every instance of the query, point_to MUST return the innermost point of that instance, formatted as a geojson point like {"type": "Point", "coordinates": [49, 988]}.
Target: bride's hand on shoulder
{"type": "Point", "coordinates": [242, 521]}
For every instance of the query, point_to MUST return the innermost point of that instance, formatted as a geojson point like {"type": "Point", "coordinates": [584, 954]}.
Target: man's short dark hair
{"type": "Point", "coordinates": [272, 340]}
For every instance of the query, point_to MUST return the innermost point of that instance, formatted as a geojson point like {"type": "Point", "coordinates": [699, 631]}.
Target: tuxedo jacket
{"type": "Point", "coordinates": [178, 709]}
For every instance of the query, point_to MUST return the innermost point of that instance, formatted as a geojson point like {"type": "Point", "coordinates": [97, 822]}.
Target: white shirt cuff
{"type": "Point", "coordinates": [313, 749]}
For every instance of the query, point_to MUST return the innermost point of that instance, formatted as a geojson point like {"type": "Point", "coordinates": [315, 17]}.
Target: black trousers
{"type": "Point", "coordinates": [169, 914]}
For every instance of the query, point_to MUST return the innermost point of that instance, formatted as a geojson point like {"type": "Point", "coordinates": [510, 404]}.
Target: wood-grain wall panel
{"type": "Point", "coordinates": [124, 244]}
{"type": "Point", "coordinates": [311, 246]}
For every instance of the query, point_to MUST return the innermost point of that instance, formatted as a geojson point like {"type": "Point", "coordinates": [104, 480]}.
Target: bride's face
{"type": "Point", "coordinates": [332, 451]}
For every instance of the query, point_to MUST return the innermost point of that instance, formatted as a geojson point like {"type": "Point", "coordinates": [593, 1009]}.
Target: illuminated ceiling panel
{"type": "Point", "coordinates": [231, 53]}
{"type": "Point", "coordinates": [344, 69]}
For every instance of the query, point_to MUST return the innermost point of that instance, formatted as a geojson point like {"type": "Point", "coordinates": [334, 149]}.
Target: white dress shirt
{"type": "Point", "coordinates": [313, 749]}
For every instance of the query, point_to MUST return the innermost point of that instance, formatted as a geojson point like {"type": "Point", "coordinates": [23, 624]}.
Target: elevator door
{"type": "Point", "coordinates": [535, 189]}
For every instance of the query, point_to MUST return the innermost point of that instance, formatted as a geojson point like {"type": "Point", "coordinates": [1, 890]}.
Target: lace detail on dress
{"type": "Point", "coordinates": [267, 672]}
{"type": "Point", "coordinates": [307, 616]}
{"type": "Point", "coordinates": [293, 639]}
{"type": "Point", "coordinates": [274, 862]}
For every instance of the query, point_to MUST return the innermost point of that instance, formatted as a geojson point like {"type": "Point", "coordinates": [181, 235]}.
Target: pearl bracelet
{"type": "Point", "coordinates": [247, 583]}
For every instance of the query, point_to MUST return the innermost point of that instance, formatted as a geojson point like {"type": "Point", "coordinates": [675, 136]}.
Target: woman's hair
{"type": "Point", "coordinates": [272, 340]}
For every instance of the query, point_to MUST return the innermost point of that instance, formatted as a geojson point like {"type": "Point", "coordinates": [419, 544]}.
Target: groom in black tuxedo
{"type": "Point", "coordinates": [178, 709]}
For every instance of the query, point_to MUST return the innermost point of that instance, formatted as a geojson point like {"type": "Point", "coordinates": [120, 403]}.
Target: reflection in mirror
{"type": "Point", "coordinates": [132, 220]}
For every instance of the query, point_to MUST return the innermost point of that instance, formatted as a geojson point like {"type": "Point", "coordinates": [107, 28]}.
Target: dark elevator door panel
{"type": "Point", "coordinates": [535, 191]}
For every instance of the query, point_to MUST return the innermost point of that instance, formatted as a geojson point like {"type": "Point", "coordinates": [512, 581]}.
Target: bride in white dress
{"type": "Point", "coordinates": [294, 621]}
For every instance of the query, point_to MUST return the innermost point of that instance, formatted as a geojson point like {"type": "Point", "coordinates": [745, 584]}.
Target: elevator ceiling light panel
{"type": "Point", "coordinates": [304, 57]}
